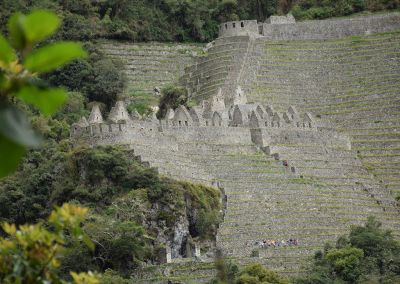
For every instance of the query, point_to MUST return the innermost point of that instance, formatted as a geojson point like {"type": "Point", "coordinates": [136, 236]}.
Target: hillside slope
{"type": "Point", "coordinates": [150, 66]}
{"type": "Point", "coordinates": [351, 82]}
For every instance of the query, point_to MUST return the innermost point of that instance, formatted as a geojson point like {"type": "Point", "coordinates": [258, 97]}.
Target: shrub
{"type": "Point", "coordinates": [257, 274]}
{"type": "Point", "coordinates": [172, 97]}
{"type": "Point", "coordinates": [32, 253]}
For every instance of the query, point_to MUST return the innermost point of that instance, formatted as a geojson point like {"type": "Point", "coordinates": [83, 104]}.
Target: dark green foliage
{"type": "Point", "coordinates": [172, 97]}
{"type": "Point", "coordinates": [141, 108]}
{"type": "Point", "coordinates": [228, 273]}
{"type": "Point", "coordinates": [178, 20]}
{"type": "Point", "coordinates": [311, 9]}
{"type": "Point", "coordinates": [368, 255]}
{"type": "Point", "coordinates": [99, 78]}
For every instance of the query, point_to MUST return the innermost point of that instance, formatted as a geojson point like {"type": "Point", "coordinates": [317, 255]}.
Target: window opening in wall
{"type": "Point", "coordinates": [119, 127]}
{"type": "Point", "coordinates": [180, 123]}
{"type": "Point", "coordinates": [233, 25]}
{"type": "Point", "coordinates": [206, 123]}
{"type": "Point", "coordinates": [242, 24]}
{"type": "Point", "coordinates": [186, 123]}
{"type": "Point", "coordinates": [266, 123]}
{"type": "Point", "coordinates": [309, 124]}
{"type": "Point", "coordinates": [292, 116]}
{"type": "Point", "coordinates": [226, 26]}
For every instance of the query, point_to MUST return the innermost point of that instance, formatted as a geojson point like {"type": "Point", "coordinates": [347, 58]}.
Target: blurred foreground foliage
{"type": "Point", "coordinates": [20, 66]}
{"type": "Point", "coordinates": [32, 253]}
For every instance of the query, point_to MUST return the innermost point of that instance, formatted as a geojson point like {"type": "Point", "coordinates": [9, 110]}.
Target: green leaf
{"type": "Point", "coordinates": [16, 25]}
{"type": "Point", "coordinates": [53, 56]}
{"type": "Point", "coordinates": [39, 25]}
{"type": "Point", "coordinates": [15, 127]}
{"type": "Point", "coordinates": [7, 53]}
{"type": "Point", "coordinates": [47, 100]}
{"type": "Point", "coordinates": [10, 155]}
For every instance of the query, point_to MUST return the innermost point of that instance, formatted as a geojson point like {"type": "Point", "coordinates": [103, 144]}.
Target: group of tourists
{"type": "Point", "coordinates": [274, 243]}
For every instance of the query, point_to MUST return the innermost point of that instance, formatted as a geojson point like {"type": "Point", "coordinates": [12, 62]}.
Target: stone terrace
{"type": "Point", "coordinates": [351, 82]}
{"type": "Point", "coordinates": [151, 65]}
{"type": "Point", "coordinates": [265, 199]}
{"type": "Point", "coordinates": [222, 63]}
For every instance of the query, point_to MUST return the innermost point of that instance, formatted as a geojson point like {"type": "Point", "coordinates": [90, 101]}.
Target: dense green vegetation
{"type": "Point", "coordinates": [178, 20]}
{"type": "Point", "coordinates": [172, 97]}
{"type": "Point", "coordinates": [98, 78]}
{"type": "Point", "coordinates": [368, 255]}
{"type": "Point", "coordinates": [315, 9]}
{"type": "Point", "coordinates": [229, 273]}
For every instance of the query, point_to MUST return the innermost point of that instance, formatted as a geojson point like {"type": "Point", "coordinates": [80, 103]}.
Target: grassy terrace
{"type": "Point", "coordinates": [151, 65]}
{"type": "Point", "coordinates": [352, 82]}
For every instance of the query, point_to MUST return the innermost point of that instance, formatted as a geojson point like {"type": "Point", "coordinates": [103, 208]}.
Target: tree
{"type": "Point", "coordinates": [368, 255]}
{"type": "Point", "coordinates": [20, 65]}
{"type": "Point", "coordinates": [172, 97]}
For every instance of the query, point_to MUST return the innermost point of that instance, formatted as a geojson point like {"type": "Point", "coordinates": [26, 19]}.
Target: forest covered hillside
{"type": "Point", "coordinates": [178, 20]}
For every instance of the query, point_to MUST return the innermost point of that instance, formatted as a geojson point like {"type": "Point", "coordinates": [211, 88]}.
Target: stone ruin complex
{"type": "Point", "coordinates": [285, 173]}
{"type": "Point", "coordinates": [262, 122]}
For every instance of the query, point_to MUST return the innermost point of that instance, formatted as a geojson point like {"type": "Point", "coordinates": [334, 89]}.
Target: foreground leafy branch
{"type": "Point", "coordinates": [20, 66]}
{"type": "Point", "coordinates": [31, 253]}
